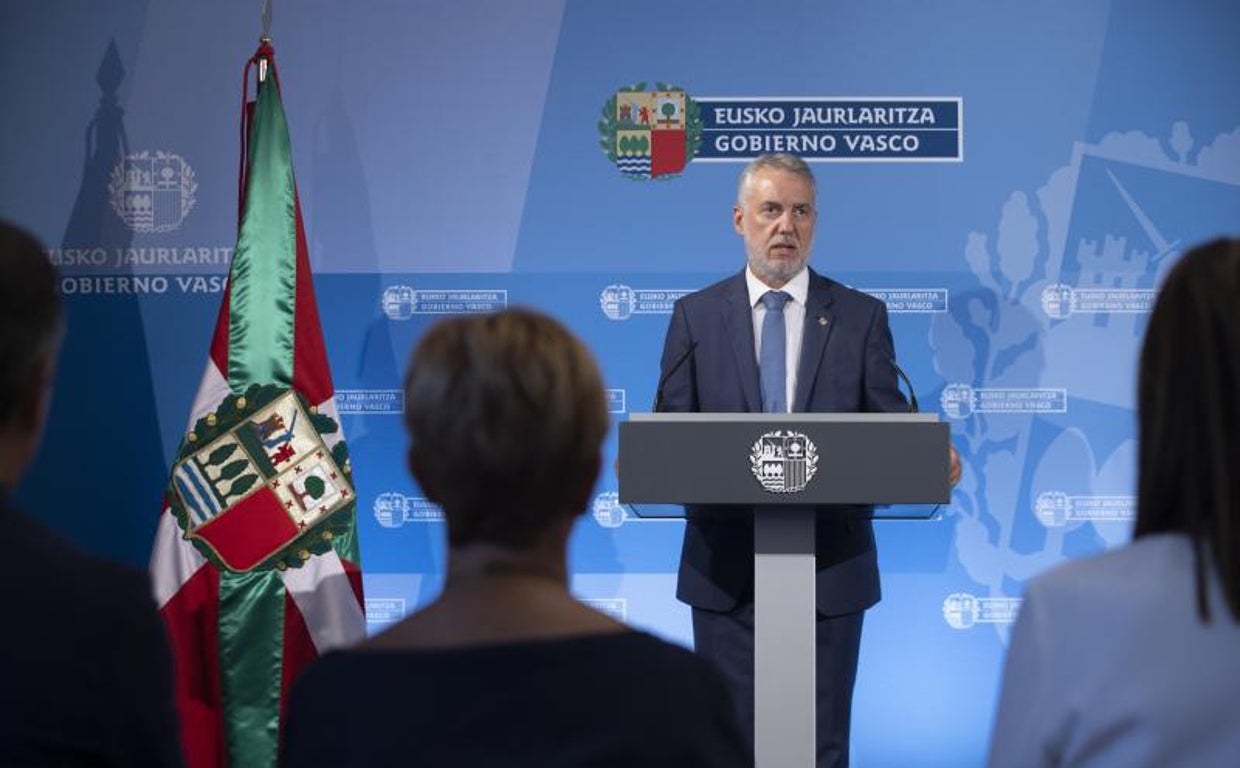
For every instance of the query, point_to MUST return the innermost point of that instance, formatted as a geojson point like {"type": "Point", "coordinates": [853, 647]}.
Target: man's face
{"type": "Point", "coordinates": [776, 217]}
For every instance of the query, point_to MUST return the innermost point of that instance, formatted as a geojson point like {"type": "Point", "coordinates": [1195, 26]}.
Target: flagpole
{"type": "Point", "coordinates": [265, 38]}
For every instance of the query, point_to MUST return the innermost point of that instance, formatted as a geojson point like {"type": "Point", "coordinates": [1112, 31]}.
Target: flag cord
{"type": "Point", "coordinates": [264, 57]}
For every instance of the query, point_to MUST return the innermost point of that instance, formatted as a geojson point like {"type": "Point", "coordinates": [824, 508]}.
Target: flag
{"type": "Point", "coordinates": [255, 565]}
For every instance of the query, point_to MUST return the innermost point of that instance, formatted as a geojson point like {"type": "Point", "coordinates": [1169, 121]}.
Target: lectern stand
{"type": "Point", "coordinates": [783, 465]}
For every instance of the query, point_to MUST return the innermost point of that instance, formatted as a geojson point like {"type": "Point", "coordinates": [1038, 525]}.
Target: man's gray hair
{"type": "Point", "coordinates": [779, 161]}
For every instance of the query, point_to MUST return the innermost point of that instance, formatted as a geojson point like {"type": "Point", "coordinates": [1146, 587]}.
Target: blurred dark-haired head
{"type": "Point", "coordinates": [30, 331]}
{"type": "Point", "coordinates": [506, 414]}
{"type": "Point", "coordinates": [1188, 401]}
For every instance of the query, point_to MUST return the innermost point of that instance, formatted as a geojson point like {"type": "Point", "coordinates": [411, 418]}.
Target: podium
{"type": "Point", "coordinates": [784, 465]}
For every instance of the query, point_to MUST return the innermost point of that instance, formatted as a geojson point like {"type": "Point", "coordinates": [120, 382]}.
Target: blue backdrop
{"type": "Point", "coordinates": [448, 157]}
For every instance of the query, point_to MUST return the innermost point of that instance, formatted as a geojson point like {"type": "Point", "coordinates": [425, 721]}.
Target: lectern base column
{"type": "Point", "coordinates": [784, 627]}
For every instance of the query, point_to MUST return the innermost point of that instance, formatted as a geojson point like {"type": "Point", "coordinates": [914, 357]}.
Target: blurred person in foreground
{"type": "Point", "coordinates": [507, 414]}
{"type": "Point", "coordinates": [1132, 658]}
{"type": "Point", "coordinates": [88, 674]}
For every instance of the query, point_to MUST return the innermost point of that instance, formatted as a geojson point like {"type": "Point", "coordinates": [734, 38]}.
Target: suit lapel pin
{"type": "Point", "coordinates": [822, 321]}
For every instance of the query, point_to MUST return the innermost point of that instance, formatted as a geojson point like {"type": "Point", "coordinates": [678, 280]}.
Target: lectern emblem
{"type": "Point", "coordinates": [783, 461]}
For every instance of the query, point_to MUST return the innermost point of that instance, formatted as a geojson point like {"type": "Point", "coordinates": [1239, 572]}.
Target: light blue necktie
{"type": "Point", "coordinates": [772, 358]}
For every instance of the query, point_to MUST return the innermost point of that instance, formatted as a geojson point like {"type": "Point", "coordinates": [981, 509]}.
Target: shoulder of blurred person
{"type": "Point", "coordinates": [89, 674]}
{"type": "Point", "coordinates": [619, 699]}
{"type": "Point", "coordinates": [1109, 664]}
{"type": "Point", "coordinates": [1146, 584]}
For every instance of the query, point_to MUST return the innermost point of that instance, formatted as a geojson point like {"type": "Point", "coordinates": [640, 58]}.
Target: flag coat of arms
{"type": "Point", "coordinates": [255, 566]}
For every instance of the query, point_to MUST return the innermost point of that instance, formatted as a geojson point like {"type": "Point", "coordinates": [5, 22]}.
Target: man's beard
{"type": "Point", "coordinates": [769, 270]}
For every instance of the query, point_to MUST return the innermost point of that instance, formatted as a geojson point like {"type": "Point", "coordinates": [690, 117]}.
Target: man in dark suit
{"type": "Point", "coordinates": [87, 677]}
{"type": "Point", "coordinates": [779, 337]}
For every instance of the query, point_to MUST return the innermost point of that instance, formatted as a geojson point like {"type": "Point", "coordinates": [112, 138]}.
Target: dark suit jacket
{"type": "Point", "coordinates": [87, 672]}
{"type": "Point", "coordinates": [847, 365]}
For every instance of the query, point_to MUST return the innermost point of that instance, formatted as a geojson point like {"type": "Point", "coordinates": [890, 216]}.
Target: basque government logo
{"type": "Point", "coordinates": [650, 134]}
{"type": "Point", "coordinates": [617, 301]}
{"type": "Point", "coordinates": [783, 461]}
{"type": "Point", "coordinates": [399, 301]}
{"type": "Point", "coordinates": [152, 191]}
{"type": "Point", "coordinates": [654, 134]}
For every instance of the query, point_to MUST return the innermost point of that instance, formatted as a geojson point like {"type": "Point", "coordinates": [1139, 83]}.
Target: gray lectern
{"type": "Point", "coordinates": [783, 465]}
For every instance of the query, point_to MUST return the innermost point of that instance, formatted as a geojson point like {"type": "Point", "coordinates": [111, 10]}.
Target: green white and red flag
{"type": "Point", "coordinates": [255, 566]}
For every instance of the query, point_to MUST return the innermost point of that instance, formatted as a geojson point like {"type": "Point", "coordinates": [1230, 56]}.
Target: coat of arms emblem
{"type": "Point", "coordinates": [784, 461]}
{"type": "Point", "coordinates": [152, 191]}
{"type": "Point", "coordinates": [256, 486]}
{"type": "Point", "coordinates": [650, 134]}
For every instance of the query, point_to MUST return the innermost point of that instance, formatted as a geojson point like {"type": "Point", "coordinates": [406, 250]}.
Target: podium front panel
{"type": "Point", "coordinates": [795, 458]}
